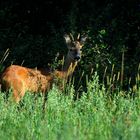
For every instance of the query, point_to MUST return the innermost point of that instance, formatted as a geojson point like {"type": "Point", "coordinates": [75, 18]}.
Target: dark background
{"type": "Point", "coordinates": [33, 31]}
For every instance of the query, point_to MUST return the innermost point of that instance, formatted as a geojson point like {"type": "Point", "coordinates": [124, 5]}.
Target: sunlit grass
{"type": "Point", "coordinates": [97, 115]}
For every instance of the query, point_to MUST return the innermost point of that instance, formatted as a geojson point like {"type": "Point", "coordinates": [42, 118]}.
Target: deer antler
{"type": "Point", "coordinates": [78, 36]}
{"type": "Point", "coordinates": [71, 36]}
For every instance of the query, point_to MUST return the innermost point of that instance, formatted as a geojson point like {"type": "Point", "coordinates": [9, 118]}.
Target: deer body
{"type": "Point", "coordinates": [21, 79]}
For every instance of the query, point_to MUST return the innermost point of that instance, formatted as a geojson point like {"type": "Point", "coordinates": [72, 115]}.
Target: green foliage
{"type": "Point", "coordinates": [97, 115]}
{"type": "Point", "coordinates": [33, 34]}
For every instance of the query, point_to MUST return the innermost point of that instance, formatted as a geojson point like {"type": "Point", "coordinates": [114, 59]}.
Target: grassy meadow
{"type": "Point", "coordinates": [97, 115]}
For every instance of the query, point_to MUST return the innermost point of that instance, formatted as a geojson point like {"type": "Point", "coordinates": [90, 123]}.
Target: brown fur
{"type": "Point", "coordinates": [22, 79]}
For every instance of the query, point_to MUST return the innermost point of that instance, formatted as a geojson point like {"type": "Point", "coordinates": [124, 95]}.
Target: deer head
{"type": "Point", "coordinates": [74, 46]}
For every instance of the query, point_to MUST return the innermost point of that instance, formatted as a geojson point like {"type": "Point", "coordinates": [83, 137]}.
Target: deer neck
{"type": "Point", "coordinates": [69, 65]}
{"type": "Point", "coordinates": [67, 70]}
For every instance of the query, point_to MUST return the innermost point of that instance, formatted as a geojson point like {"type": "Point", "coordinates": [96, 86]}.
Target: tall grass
{"type": "Point", "coordinates": [97, 115]}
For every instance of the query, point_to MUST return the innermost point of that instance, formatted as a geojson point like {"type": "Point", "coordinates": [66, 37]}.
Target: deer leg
{"type": "Point", "coordinates": [18, 90]}
{"type": "Point", "coordinates": [16, 96]}
{"type": "Point", "coordinates": [44, 101]}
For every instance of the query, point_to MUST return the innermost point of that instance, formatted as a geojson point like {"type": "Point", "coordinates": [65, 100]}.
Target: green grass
{"type": "Point", "coordinates": [97, 115]}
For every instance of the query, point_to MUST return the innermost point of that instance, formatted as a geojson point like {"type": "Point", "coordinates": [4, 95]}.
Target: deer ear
{"type": "Point", "coordinates": [67, 38]}
{"type": "Point", "coordinates": [83, 39]}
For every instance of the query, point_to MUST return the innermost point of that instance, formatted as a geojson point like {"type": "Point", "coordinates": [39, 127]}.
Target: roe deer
{"type": "Point", "coordinates": [21, 79]}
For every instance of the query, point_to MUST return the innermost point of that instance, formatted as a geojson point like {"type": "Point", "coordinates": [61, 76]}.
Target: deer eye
{"type": "Point", "coordinates": [71, 49]}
